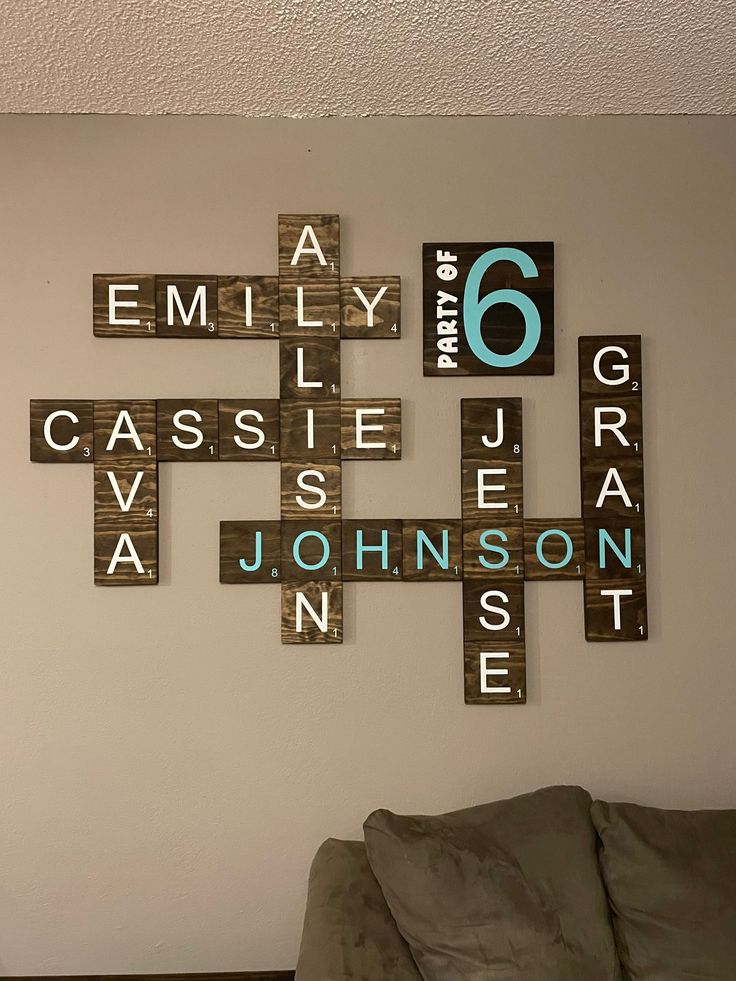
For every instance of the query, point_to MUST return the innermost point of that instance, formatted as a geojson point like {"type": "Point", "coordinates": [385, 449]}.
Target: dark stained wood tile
{"type": "Point", "coordinates": [311, 548]}
{"type": "Point", "coordinates": [493, 551]}
{"type": "Point", "coordinates": [309, 308]}
{"type": "Point", "coordinates": [371, 306]}
{"type": "Point", "coordinates": [124, 431]}
{"type": "Point", "coordinates": [250, 551]}
{"type": "Point", "coordinates": [616, 549]}
{"type": "Point", "coordinates": [126, 524]}
{"type": "Point", "coordinates": [433, 549]}
{"type": "Point", "coordinates": [187, 430]}
{"type": "Point", "coordinates": [448, 318]}
{"type": "Point", "coordinates": [310, 429]}
{"type": "Point", "coordinates": [372, 549]}
{"type": "Point", "coordinates": [310, 367]}
{"type": "Point", "coordinates": [616, 609]}
{"type": "Point", "coordinates": [493, 610]}
{"type": "Point", "coordinates": [68, 423]}
{"type": "Point", "coordinates": [311, 488]}
{"type": "Point", "coordinates": [311, 612]}
{"type": "Point", "coordinates": [371, 429]}
{"type": "Point", "coordinates": [248, 306]}
{"type": "Point", "coordinates": [249, 429]}
{"type": "Point", "coordinates": [610, 366]}
{"type": "Point", "coordinates": [554, 548]}
{"type": "Point", "coordinates": [112, 296]}
{"type": "Point", "coordinates": [621, 482]}
{"type": "Point", "coordinates": [319, 256]}
{"type": "Point", "coordinates": [619, 430]}
{"type": "Point", "coordinates": [492, 489]}
{"type": "Point", "coordinates": [495, 673]}
{"type": "Point", "coordinates": [491, 429]}
{"type": "Point", "coordinates": [186, 306]}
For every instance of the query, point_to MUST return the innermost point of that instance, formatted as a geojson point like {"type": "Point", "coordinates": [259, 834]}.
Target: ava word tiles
{"type": "Point", "coordinates": [489, 308]}
{"type": "Point", "coordinates": [491, 549]}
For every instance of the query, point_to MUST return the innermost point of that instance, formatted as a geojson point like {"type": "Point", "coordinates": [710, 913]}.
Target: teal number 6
{"type": "Point", "coordinates": [474, 308]}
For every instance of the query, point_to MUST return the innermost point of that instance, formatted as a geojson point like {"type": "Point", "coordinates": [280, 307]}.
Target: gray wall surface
{"type": "Point", "coordinates": [167, 768]}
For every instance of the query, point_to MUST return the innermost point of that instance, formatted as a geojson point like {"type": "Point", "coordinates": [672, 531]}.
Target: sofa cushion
{"type": "Point", "coordinates": [506, 890]}
{"type": "Point", "coordinates": [671, 880]}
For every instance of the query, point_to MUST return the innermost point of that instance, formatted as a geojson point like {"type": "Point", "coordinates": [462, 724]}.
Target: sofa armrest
{"type": "Point", "coordinates": [349, 933]}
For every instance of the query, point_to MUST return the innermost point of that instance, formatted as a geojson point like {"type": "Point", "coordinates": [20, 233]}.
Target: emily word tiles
{"type": "Point", "coordinates": [491, 549]}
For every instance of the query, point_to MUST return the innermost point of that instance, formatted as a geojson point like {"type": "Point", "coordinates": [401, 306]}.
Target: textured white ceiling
{"type": "Point", "coordinates": [355, 57]}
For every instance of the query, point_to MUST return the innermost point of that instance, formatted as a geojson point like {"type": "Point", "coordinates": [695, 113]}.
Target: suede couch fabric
{"type": "Point", "coordinates": [671, 881]}
{"type": "Point", "coordinates": [349, 933]}
{"type": "Point", "coordinates": [509, 890]}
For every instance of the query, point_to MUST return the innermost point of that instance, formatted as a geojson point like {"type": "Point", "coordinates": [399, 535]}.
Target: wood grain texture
{"type": "Point", "coordinates": [177, 444]}
{"type": "Point", "coordinates": [493, 610]}
{"type": "Point", "coordinates": [316, 544]}
{"type": "Point", "coordinates": [316, 475]}
{"type": "Point", "coordinates": [566, 555]}
{"type": "Point", "coordinates": [126, 524]}
{"type": "Point", "coordinates": [310, 429]}
{"type": "Point", "coordinates": [600, 610]}
{"type": "Point", "coordinates": [326, 230]}
{"type": "Point", "coordinates": [420, 562]}
{"type": "Point", "coordinates": [309, 308]}
{"type": "Point", "coordinates": [365, 313]}
{"type": "Point", "coordinates": [616, 549]}
{"type": "Point", "coordinates": [479, 498]}
{"type": "Point", "coordinates": [124, 431]}
{"type": "Point", "coordinates": [495, 421]}
{"type": "Point", "coordinates": [482, 687]}
{"type": "Point", "coordinates": [611, 411]}
{"type": "Point", "coordinates": [74, 425]}
{"type": "Point", "coordinates": [375, 444]}
{"type": "Point", "coordinates": [248, 306]}
{"type": "Point", "coordinates": [372, 549]}
{"type": "Point", "coordinates": [250, 551]}
{"type": "Point", "coordinates": [248, 429]}
{"type": "Point", "coordinates": [138, 288]}
{"type": "Point", "coordinates": [502, 325]}
{"type": "Point", "coordinates": [203, 316]}
{"type": "Point", "coordinates": [324, 599]}
{"type": "Point", "coordinates": [493, 550]}
{"type": "Point", "coordinates": [321, 364]}
{"type": "Point", "coordinates": [622, 369]}
{"type": "Point", "coordinates": [627, 478]}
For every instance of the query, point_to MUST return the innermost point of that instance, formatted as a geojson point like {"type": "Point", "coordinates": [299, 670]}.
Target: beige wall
{"type": "Point", "coordinates": [167, 767]}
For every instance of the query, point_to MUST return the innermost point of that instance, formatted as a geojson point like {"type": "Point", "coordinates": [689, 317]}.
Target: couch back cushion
{"type": "Point", "coordinates": [671, 879]}
{"type": "Point", "coordinates": [509, 890]}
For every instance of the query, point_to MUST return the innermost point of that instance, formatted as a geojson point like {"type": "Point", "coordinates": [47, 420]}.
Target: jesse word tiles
{"type": "Point", "coordinates": [491, 549]}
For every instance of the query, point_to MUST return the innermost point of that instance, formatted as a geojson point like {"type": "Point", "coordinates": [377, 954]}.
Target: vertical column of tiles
{"type": "Point", "coordinates": [311, 470]}
{"type": "Point", "coordinates": [126, 493]}
{"type": "Point", "coordinates": [612, 479]}
{"type": "Point", "coordinates": [493, 551]}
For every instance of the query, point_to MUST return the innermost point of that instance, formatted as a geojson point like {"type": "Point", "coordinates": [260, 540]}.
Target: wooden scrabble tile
{"type": "Point", "coordinates": [186, 306]}
{"type": "Point", "coordinates": [311, 548]}
{"type": "Point", "coordinates": [311, 612]}
{"type": "Point", "coordinates": [187, 429]}
{"type": "Point", "coordinates": [609, 366]}
{"type": "Point", "coordinates": [309, 247]}
{"type": "Point", "coordinates": [554, 548]}
{"type": "Point", "coordinates": [250, 551]}
{"type": "Point", "coordinates": [433, 549]}
{"type": "Point", "coordinates": [126, 523]}
{"type": "Point", "coordinates": [488, 308]}
{"type": "Point", "coordinates": [61, 431]}
{"type": "Point", "coordinates": [613, 488]}
{"type": "Point", "coordinates": [248, 306]}
{"type": "Point", "coordinates": [124, 430]}
{"type": "Point", "coordinates": [615, 549]}
{"type": "Point", "coordinates": [493, 551]}
{"type": "Point", "coordinates": [310, 367]}
{"type": "Point", "coordinates": [309, 308]}
{"type": "Point", "coordinates": [124, 305]}
{"type": "Point", "coordinates": [249, 429]}
{"type": "Point", "coordinates": [311, 488]}
{"type": "Point", "coordinates": [491, 429]}
{"type": "Point", "coordinates": [495, 673]}
{"type": "Point", "coordinates": [372, 549]}
{"type": "Point", "coordinates": [493, 611]}
{"type": "Point", "coordinates": [310, 429]}
{"type": "Point", "coordinates": [616, 609]}
{"type": "Point", "coordinates": [492, 489]}
{"type": "Point", "coordinates": [371, 429]}
{"type": "Point", "coordinates": [371, 306]}
{"type": "Point", "coordinates": [611, 429]}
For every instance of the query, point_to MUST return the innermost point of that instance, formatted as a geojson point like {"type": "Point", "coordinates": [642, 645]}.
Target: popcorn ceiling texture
{"type": "Point", "coordinates": [355, 57]}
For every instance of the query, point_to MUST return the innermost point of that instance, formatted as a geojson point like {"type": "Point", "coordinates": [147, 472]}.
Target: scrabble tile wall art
{"type": "Point", "coordinates": [488, 309]}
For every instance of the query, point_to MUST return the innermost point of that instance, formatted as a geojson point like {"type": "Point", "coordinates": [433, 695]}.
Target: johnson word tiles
{"type": "Point", "coordinates": [489, 550]}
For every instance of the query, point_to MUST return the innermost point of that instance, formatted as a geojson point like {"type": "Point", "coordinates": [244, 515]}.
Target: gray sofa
{"type": "Point", "coordinates": [551, 886]}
